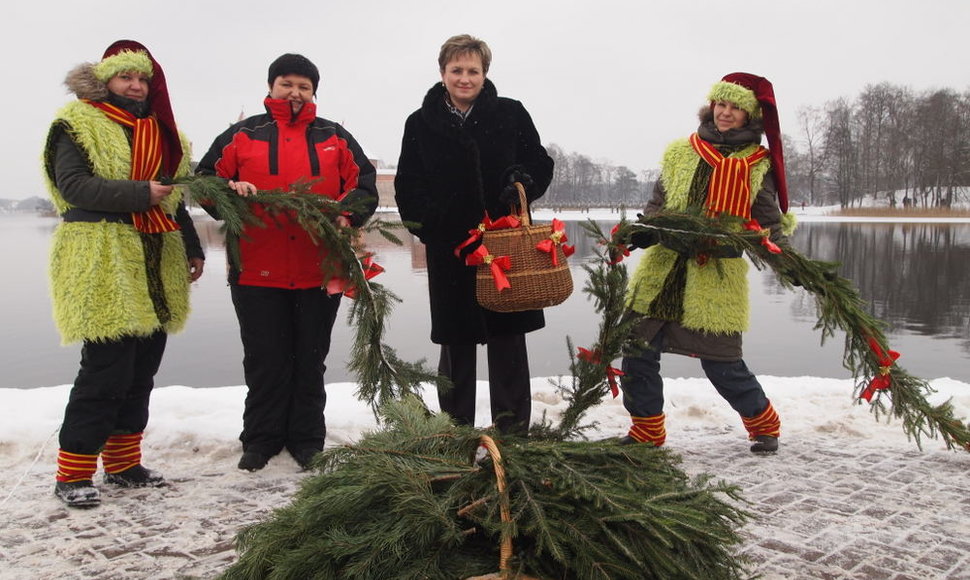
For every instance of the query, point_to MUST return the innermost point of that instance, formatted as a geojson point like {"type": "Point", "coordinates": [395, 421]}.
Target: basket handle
{"type": "Point", "coordinates": [523, 205]}
{"type": "Point", "coordinates": [505, 549]}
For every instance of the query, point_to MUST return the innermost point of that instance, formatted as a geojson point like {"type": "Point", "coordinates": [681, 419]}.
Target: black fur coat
{"type": "Point", "coordinates": [448, 175]}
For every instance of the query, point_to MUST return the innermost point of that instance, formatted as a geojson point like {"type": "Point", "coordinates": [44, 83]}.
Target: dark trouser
{"type": "Point", "coordinates": [508, 382]}
{"type": "Point", "coordinates": [111, 391]}
{"type": "Point", "coordinates": [643, 394]}
{"type": "Point", "coordinates": [286, 338]}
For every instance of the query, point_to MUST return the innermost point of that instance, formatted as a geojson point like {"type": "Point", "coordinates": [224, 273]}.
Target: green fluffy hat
{"type": "Point", "coordinates": [738, 94]}
{"type": "Point", "coordinates": [124, 61]}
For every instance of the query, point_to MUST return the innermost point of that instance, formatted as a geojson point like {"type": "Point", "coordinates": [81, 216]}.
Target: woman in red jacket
{"type": "Point", "coordinates": [285, 315]}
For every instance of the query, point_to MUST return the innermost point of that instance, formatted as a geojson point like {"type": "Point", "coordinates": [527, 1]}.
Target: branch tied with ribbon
{"type": "Point", "coordinates": [593, 357]}
{"type": "Point", "coordinates": [556, 238]}
{"type": "Point", "coordinates": [886, 360]}
{"type": "Point", "coordinates": [752, 225]}
{"type": "Point", "coordinates": [499, 265]}
{"type": "Point", "coordinates": [339, 284]}
{"type": "Point", "coordinates": [620, 251]}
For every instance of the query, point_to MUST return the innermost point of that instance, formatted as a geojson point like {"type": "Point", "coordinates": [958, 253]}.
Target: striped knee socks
{"type": "Point", "coordinates": [72, 467]}
{"type": "Point", "coordinates": [765, 423]}
{"type": "Point", "coordinates": [649, 429]}
{"type": "Point", "coordinates": [121, 452]}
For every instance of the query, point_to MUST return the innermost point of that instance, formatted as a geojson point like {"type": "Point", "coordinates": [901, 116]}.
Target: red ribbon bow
{"type": "Point", "coordinates": [883, 380]}
{"type": "Point", "coordinates": [502, 223]}
{"type": "Point", "coordinates": [620, 251]}
{"type": "Point", "coordinates": [498, 264]}
{"type": "Point", "coordinates": [338, 284]}
{"type": "Point", "coordinates": [754, 226]}
{"type": "Point", "coordinates": [593, 356]}
{"type": "Point", "coordinates": [556, 238]}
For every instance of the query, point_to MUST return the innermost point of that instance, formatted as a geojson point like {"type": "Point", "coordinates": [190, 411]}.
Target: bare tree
{"type": "Point", "coordinates": [812, 125]}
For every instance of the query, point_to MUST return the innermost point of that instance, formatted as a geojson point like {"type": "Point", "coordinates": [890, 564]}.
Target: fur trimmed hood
{"type": "Point", "coordinates": [82, 81]}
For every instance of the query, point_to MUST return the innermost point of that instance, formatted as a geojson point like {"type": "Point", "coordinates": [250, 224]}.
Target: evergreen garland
{"type": "Point", "coordinates": [839, 306]}
{"type": "Point", "coordinates": [382, 375]}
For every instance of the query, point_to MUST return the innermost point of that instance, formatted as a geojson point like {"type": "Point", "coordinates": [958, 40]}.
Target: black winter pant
{"type": "Point", "coordinates": [286, 338]}
{"type": "Point", "coordinates": [508, 382]}
{"type": "Point", "coordinates": [111, 391]}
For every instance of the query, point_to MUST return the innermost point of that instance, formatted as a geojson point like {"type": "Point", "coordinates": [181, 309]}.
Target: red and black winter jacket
{"type": "Point", "coordinates": [275, 151]}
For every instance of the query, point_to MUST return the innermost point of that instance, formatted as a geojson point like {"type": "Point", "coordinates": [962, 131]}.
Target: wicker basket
{"type": "Point", "coordinates": [535, 281]}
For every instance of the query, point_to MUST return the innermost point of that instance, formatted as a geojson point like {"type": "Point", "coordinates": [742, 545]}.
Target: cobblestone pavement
{"type": "Point", "coordinates": [824, 510]}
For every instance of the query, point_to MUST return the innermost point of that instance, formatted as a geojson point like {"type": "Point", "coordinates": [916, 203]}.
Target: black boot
{"type": "Point", "coordinates": [136, 476]}
{"type": "Point", "coordinates": [765, 445]}
{"type": "Point", "coordinates": [252, 461]}
{"type": "Point", "coordinates": [78, 494]}
{"type": "Point", "coordinates": [304, 457]}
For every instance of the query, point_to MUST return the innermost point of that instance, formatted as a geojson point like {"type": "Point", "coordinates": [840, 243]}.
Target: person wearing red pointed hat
{"type": "Point", "coordinates": [696, 304]}
{"type": "Point", "coordinates": [285, 312]}
{"type": "Point", "coordinates": [122, 260]}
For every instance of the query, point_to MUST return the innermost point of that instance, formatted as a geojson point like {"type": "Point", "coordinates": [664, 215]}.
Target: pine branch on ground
{"type": "Point", "coordinates": [410, 501]}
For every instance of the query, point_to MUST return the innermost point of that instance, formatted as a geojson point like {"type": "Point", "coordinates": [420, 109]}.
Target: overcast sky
{"type": "Point", "coordinates": [614, 80]}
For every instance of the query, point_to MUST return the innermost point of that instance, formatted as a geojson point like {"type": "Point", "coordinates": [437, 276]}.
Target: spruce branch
{"type": "Point", "coordinates": [892, 390]}
{"type": "Point", "coordinates": [592, 374]}
{"type": "Point", "coordinates": [382, 375]}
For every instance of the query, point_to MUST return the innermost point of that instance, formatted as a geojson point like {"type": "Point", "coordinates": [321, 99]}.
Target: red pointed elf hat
{"type": "Point", "coordinates": [755, 95]}
{"type": "Point", "coordinates": [159, 102]}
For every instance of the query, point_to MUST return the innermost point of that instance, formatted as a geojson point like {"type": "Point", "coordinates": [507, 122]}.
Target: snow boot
{"type": "Point", "coordinates": [252, 461]}
{"type": "Point", "coordinates": [137, 476]}
{"type": "Point", "coordinates": [78, 494]}
{"type": "Point", "coordinates": [764, 429]}
{"type": "Point", "coordinates": [304, 457]}
{"type": "Point", "coordinates": [73, 483]}
{"type": "Point", "coordinates": [765, 445]}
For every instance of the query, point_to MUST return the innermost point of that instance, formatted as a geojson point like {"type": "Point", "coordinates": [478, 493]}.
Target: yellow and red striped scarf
{"type": "Point", "coordinates": [729, 190]}
{"type": "Point", "coordinates": [146, 160]}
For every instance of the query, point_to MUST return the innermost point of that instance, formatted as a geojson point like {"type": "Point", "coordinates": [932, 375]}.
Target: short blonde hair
{"type": "Point", "coordinates": [461, 45]}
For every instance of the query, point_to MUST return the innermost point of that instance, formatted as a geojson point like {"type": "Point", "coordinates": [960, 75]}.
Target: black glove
{"type": "Point", "coordinates": [510, 194]}
{"type": "Point", "coordinates": [643, 237]}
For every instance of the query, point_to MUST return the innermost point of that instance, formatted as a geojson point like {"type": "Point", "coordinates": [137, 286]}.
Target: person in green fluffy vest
{"type": "Point", "coordinates": [122, 259]}
{"type": "Point", "coordinates": [696, 304]}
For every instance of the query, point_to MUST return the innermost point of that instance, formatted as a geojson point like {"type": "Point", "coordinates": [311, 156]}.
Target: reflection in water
{"type": "Point", "coordinates": [912, 275]}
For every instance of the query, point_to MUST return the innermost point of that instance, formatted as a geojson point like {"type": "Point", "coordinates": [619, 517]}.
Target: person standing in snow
{"type": "Point", "coordinates": [122, 259]}
{"type": "Point", "coordinates": [697, 305]}
{"type": "Point", "coordinates": [285, 315]}
{"type": "Point", "coordinates": [461, 153]}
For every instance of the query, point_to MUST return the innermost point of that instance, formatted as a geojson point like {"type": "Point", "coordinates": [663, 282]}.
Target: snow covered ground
{"type": "Point", "coordinates": [846, 497]}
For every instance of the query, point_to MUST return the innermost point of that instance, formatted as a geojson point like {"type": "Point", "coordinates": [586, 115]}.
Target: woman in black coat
{"type": "Point", "coordinates": [462, 151]}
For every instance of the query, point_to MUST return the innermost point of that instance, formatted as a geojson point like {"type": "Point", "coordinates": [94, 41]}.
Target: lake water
{"type": "Point", "coordinates": [914, 277]}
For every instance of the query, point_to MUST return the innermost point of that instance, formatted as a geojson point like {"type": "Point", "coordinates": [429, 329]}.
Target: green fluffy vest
{"type": "Point", "coordinates": [99, 284]}
{"type": "Point", "coordinates": [715, 295]}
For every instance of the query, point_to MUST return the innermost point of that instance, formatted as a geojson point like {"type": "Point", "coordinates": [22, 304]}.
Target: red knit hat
{"type": "Point", "coordinates": [762, 92]}
{"type": "Point", "coordinates": [159, 103]}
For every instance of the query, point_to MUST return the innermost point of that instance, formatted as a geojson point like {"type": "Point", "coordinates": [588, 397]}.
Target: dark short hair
{"type": "Point", "coordinates": [461, 45]}
{"type": "Point", "coordinates": [294, 64]}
